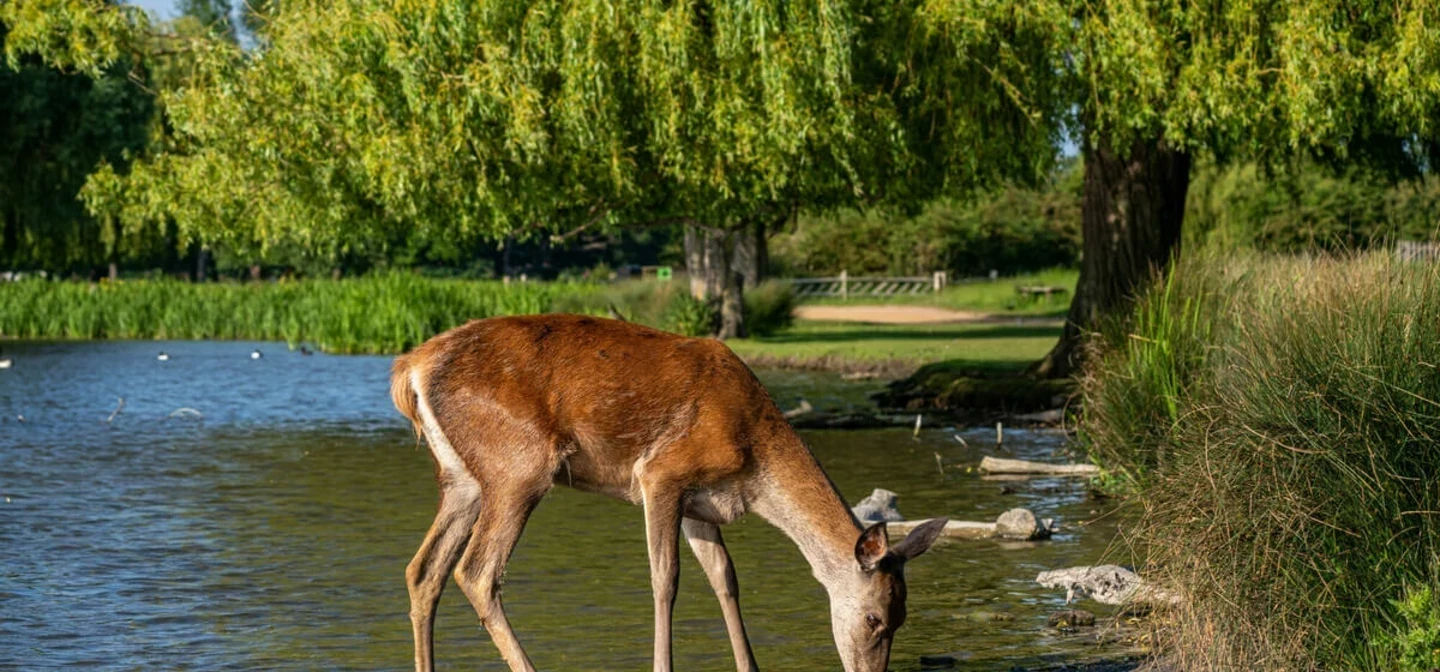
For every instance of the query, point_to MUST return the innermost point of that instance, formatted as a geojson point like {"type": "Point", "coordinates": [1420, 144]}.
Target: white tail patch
{"type": "Point", "coordinates": [449, 460]}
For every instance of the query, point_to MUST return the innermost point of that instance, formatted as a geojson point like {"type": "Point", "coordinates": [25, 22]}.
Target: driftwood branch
{"type": "Point", "coordinates": [996, 465]}
{"type": "Point", "coordinates": [1019, 524]}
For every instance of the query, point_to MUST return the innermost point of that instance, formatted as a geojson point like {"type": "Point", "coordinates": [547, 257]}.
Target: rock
{"type": "Point", "coordinates": [1021, 524]}
{"type": "Point", "coordinates": [1049, 417]}
{"type": "Point", "coordinates": [1106, 584]}
{"type": "Point", "coordinates": [878, 507]}
{"type": "Point", "coordinates": [988, 617]}
{"type": "Point", "coordinates": [1072, 618]}
{"type": "Point", "coordinates": [944, 660]}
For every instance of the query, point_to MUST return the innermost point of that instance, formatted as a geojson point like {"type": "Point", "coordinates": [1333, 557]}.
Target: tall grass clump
{"type": "Point", "coordinates": [1144, 367]}
{"type": "Point", "coordinates": [1285, 442]}
{"type": "Point", "coordinates": [375, 314]}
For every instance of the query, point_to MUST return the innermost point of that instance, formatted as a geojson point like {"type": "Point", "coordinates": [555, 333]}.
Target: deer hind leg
{"type": "Point", "coordinates": [426, 575]}
{"type": "Point", "coordinates": [503, 513]}
{"type": "Point", "coordinates": [662, 532]}
{"type": "Point", "coordinates": [709, 549]}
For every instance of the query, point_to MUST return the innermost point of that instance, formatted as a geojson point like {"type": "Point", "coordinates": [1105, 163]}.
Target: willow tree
{"type": "Point", "coordinates": [462, 121]}
{"type": "Point", "coordinates": [1147, 87]}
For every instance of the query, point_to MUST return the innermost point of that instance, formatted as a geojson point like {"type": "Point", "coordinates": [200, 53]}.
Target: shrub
{"type": "Point", "coordinates": [1298, 418]}
{"type": "Point", "coordinates": [769, 308]}
{"type": "Point", "coordinates": [688, 316]}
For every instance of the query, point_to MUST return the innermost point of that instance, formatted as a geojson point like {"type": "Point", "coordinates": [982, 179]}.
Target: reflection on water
{"type": "Point", "coordinates": [272, 532]}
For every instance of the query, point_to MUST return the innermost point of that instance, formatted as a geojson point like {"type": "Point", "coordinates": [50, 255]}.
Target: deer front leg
{"type": "Point", "coordinates": [709, 549]}
{"type": "Point", "coordinates": [662, 532]}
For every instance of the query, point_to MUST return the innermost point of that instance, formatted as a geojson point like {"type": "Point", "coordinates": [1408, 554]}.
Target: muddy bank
{"type": "Point", "coordinates": [851, 368]}
{"type": "Point", "coordinates": [969, 395]}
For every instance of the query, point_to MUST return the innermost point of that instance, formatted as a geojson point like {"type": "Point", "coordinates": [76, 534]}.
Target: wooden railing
{"type": "Point", "coordinates": [1412, 250]}
{"type": "Point", "coordinates": [845, 286]}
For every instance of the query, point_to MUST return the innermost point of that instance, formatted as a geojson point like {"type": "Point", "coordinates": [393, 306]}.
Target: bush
{"type": "Point", "coordinates": [1012, 230]}
{"type": "Point", "coordinates": [1285, 442]}
{"type": "Point", "coordinates": [688, 316]}
{"type": "Point", "coordinates": [769, 308]}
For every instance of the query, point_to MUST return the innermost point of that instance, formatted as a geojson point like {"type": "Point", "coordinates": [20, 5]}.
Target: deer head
{"type": "Point", "coordinates": [868, 605]}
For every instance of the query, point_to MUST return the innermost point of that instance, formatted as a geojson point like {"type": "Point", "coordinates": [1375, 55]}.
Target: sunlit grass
{"type": "Point", "coordinates": [999, 346]}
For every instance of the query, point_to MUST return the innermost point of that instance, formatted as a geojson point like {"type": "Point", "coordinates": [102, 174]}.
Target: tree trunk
{"type": "Point", "coordinates": [732, 308]}
{"type": "Point", "coordinates": [709, 261]}
{"type": "Point", "coordinates": [752, 253]}
{"type": "Point", "coordinates": [1131, 216]}
{"type": "Point", "coordinates": [505, 256]}
{"type": "Point", "coordinates": [201, 257]}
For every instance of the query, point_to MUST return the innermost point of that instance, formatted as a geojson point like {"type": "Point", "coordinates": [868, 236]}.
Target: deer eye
{"type": "Point", "coordinates": [873, 621]}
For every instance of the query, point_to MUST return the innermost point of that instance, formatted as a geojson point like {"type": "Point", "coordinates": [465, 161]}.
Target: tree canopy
{"type": "Point", "coordinates": [362, 122]}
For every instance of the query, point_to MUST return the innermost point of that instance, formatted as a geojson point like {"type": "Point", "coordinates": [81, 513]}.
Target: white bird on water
{"type": "Point", "coordinates": [163, 356]}
{"type": "Point", "coordinates": [6, 362]}
{"type": "Point", "coordinates": [256, 354]}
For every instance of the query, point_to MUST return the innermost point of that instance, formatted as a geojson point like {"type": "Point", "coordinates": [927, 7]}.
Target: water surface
{"type": "Point", "coordinates": [268, 527]}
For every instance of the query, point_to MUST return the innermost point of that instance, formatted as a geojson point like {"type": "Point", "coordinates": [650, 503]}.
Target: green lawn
{"type": "Point", "coordinates": [986, 296]}
{"type": "Point", "coordinates": [973, 346]}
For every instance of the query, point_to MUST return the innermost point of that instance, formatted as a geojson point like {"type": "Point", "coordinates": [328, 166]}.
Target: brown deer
{"type": "Point", "coordinates": [511, 406]}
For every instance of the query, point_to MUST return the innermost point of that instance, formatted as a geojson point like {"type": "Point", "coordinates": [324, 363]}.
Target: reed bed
{"type": "Point", "coordinates": [1279, 421]}
{"type": "Point", "coordinates": [386, 313]}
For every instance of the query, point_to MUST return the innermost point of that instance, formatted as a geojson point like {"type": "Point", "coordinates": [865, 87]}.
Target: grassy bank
{"type": "Point", "coordinates": [896, 350]}
{"type": "Point", "coordinates": [998, 296]}
{"type": "Point", "coordinates": [1279, 420]}
{"type": "Point", "coordinates": [391, 313]}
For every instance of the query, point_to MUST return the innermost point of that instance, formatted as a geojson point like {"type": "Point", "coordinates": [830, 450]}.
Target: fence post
{"type": "Point", "coordinates": [844, 285]}
{"type": "Point", "coordinates": [939, 281]}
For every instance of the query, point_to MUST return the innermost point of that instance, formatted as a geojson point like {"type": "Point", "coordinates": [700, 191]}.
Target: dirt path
{"type": "Point", "coordinates": [889, 314]}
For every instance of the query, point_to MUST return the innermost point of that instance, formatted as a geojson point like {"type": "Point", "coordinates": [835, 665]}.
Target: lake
{"type": "Point", "coordinates": [259, 514]}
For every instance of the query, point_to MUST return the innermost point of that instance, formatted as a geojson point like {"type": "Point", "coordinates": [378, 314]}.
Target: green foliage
{"type": "Point", "coordinates": [769, 308]}
{"type": "Point", "coordinates": [689, 316]}
{"type": "Point", "coordinates": [362, 122]}
{"type": "Point", "coordinates": [1416, 647]}
{"type": "Point", "coordinates": [1309, 207]}
{"type": "Point", "coordinates": [387, 313]}
{"type": "Point", "coordinates": [1287, 475]}
{"type": "Point", "coordinates": [1011, 230]}
{"type": "Point", "coordinates": [57, 127]}
{"type": "Point", "coordinates": [644, 302]}
{"type": "Point", "coordinates": [213, 15]}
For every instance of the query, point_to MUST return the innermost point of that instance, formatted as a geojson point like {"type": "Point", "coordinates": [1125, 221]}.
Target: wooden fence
{"type": "Point", "coordinates": [845, 286]}
{"type": "Point", "coordinates": [1411, 250]}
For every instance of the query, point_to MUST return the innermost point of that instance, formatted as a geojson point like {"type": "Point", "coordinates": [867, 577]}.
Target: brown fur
{"type": "Point", "coordinates": [513, 405]}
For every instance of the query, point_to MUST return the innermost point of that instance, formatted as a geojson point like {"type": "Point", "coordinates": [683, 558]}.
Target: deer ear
{"type": "Point", "coordinates": [920, 538]}
{"type": "Point", "coordinates": [872, 546]}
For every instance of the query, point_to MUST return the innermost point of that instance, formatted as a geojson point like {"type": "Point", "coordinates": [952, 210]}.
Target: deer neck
{"type": "Point", "coordinates": [799, 499]}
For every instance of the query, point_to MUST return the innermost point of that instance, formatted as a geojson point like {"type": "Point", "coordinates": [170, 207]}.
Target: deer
{"type": "Point", "coordinates": [512, 406]}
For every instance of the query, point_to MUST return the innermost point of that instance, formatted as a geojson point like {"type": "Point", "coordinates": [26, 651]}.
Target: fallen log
{"type": "Point", "coordinates": [996, 465]}
{"type": "Point", "coordinates": [1017, 524]}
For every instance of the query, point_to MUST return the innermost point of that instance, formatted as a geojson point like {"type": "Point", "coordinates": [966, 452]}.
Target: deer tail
{"type": "Point", "coordinates": [402, 392]}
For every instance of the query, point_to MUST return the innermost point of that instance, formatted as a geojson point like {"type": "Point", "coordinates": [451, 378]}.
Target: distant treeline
{"type": "Point", "coordinates": [1017, 230]}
